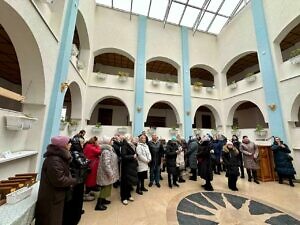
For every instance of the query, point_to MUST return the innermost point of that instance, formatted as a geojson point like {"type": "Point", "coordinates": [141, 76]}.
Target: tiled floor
{"type": "Point", "coordinates": [158, 206]}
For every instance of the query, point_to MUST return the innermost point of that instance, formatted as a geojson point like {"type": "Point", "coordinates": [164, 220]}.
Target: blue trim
{"type": "Point", "coordinates": [140, 77]}
{"type": "Point", "coordinates": [186, 82]}
{"type": "Point", "coordinates": [61, 74]}
{"type": "Point", "coordinates": [266, 64]}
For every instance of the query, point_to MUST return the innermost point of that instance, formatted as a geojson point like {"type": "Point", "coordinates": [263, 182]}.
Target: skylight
{"type": "Point", "coordinates": [200, 15]}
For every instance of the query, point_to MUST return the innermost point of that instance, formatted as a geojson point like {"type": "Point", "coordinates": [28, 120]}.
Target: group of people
{"type": "Point", "coordinates": [74, 170]}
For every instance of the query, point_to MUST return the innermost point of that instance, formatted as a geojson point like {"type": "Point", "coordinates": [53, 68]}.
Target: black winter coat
{"type": "Point", "coordinates": [171, 156]}
{"type": "Point", "coordinates": [205, 161]}
{"type": "Point", "coordinates": [157, 152]}
{"type": "Point", "coordinates": [79, 166]}
{"type": "Point", "coordinates": [231, 161]}
{"type": "Point", "coordinates": [55, 181]}
{"type": "Point", "coordinates": [283, 161]}
{"type": "Point", "coordinates": [128, 164]}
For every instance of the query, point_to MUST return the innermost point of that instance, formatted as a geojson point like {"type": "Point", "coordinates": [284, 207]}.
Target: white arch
{"type": "Point", "coordinates": [233, 108]}
{"type": "Point", "coordinates": [285, 31]}
{"type": "Point", "coordinates": [167, 60]}
{"type": "Point", "coordinates": [114, 50]}
{"type": "Point", "coordinates": [295, 109]}
{"type": "Point", "coordinates": [108, 97]}
{"type": "Point", "coordinates": [212, 109]}
{"type": "Point", "coordinates": [206, 67]}
{"type": "Point", "coordinates": [236, 58]}
{"type": "Point", "coordinates": [28, 54]}
{"type": "Point", "coordinates": [169, 104]}
{"type": "Point", "coordinates": [76, 100]}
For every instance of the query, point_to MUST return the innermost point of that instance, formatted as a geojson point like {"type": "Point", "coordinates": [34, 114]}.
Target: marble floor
{"type": "Point", "coordinates": [158, 206]}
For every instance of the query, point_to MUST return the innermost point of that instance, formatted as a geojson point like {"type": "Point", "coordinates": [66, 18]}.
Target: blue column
{"type": "Point", "coordinates": [61, 74]}
{"type": "Point", "coordinates": [266, 65]}
{"type": "Point", "coordinates": [186, 82]}
{"type": "Point", "coordinates": [140, 76]}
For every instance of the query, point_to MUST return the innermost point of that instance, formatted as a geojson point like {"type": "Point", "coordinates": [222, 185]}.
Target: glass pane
{"type": "Point", "coordinates": [104, 2]}
{"type": "Point", "coordinates": [140, 7]}
{"type": "Point", "coordinates": [122, 4]}
{"type": "Point", "coordinates": [158, 9]}
{"type": "Point", "coordinates": [189, 17]}
{"type": "Point", "coordinates": [205, 21]}
{"type": "Point", "coordinates": [175, 12]}
{"type": "Point", "coordinates": [217, 25]}
{"type": "Point", "coordinates": [197, 3]}
{"type": "Point", "coordinates": [228, 7]}
{"type": "Point", "coordinates": [214, 5]}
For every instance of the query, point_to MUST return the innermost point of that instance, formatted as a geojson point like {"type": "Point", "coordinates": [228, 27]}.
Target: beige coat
{"type": "Point", "coordinates": [144, 156]}
{"type": "Point", "coordinates": [250, 153]}
{"type": "Point", "coordinates": [108, 171]}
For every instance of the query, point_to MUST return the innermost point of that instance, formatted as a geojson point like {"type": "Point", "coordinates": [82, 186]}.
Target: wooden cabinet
{"type": "Point", "coordinates": [266, 171]}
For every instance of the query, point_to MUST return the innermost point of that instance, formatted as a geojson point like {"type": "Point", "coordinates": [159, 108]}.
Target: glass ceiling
{"type": "Point", "coordinates": [200, 15]}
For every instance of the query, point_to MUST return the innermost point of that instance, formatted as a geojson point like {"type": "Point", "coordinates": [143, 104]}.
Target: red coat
{"type": "Point", "coordinates": [92, 152]}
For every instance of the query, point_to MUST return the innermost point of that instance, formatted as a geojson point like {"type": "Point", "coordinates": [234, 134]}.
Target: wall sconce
{"type": "Point", "coordinates": [272, 106]}
{"type": "Point", "coordinates": [188, 113]}
{"type": "Point", "coordinates": [139, 108]}
{"type": "Point", "coordinates": [63, 86]}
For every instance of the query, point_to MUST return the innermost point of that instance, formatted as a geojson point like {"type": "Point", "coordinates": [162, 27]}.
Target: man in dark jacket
{"type": "Point", "coordinates": [157, 152]}
{"type": "Point", "coordinates": [171, 155]}
{"type": "Point", "coordinates": [56, 181]}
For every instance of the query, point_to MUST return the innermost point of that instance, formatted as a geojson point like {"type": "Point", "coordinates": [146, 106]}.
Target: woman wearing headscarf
{"type": "Point", "coordinates": [129, 166]}
{"type": "Point", "coordinates": [108, 173]}
{"type": "Point", "coordinates": [144, 158]}
{"type": "Point", "coordinates": [205, 169]}
{"type": "Point", "coordinates": [232, 163]}
{"type": "Point", "coordinates": [283, 161]}
{"type": "Point", "coordinates": [56, 182]}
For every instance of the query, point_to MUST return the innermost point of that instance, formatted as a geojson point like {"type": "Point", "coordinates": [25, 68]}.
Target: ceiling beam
{"type": "Point", "coordinates": [200, 15]}
{"type": "Point", "coordinates": [149, 8]}
{"type": "Point", "coordinates": [167, 12]}
{"type": "Point", "coordinates": [186, 4]}
{"type": "Point", "coordinates": [213, 19]}
{"type": "Point", "coordinates": [131, 9]}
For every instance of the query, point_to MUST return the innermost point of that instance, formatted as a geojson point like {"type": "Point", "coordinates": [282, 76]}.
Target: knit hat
{"type": "Point", "coordinates": [205, 138]}
{"type": "Point", "coordinates": [60, 141]}
{"type": "Point", "coordinates": [173, 138]}
{"type": "Point", "coordinates": [229, 143]}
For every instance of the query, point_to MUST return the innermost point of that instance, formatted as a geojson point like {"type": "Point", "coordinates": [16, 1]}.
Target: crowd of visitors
{"type": "Point", "coordinates": [75, 171]}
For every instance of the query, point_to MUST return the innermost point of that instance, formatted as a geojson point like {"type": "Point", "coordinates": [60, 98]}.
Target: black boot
{"type": "Point", "coordinates": [255, 176]}
{"type": "Point", "coordinates": [249, 175]}
{"type": "Point", "coordinates": [100, 205]}
{"type": "Point", "coordinates": [280, 181]}
{"type": "Point", "coordinates": [169, 180]}
{"type": "Point", "coordinates": [291, 182]}
{"type": "Point", "coordinates": [181, 180]}
{"type": "Point", "coordinates": [106, 202]}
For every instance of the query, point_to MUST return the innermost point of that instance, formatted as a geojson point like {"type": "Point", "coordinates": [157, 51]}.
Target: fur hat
{"type": "Point", "coordinates": [60, 141]}
{"type": "Point", "coordinates": [229, 143]}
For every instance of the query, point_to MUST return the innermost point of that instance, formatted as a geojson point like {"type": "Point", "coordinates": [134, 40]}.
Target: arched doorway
{"type": "Point", "coordinates": [110, 112]}
{"type": "Point", "coordinates": [162, 69]}
{"type": "Point", "coordinates": [199, 74]}
{"type": "Point", "coordinates": [161, 114]}
{"type": "Point", "coordinates": [290, 45]}
{"type": "Point", "coordinates": [248, 115]}
{"type": "Point", "coordinates": [245, 66]}
{"type": "Point", "coordinates": [204, 118]}
{"type": "Point", "coordinates": [114, 62]}
{"type": "Point", "coordinates": [10, 75]}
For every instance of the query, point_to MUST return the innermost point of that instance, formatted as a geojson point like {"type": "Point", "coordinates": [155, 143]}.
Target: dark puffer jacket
{"type": "Point", "coordinates": [283, 161]}
{"type": "Point", "coordinates": [171, 156]}
{"type": "Point", "coordinates": [231, 161]}
{"type": "Point", "coordinates": [192, 154]}
{"type": "Point", "coordinates": [128, 164]}
{"type": "Point", "coordinates": [55, 181]}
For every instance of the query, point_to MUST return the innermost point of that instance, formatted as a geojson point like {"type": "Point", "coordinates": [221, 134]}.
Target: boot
{"type": "Point", "coordinates": [169, 180]}
{"type": "Point", "coordinates": [100, 206]}
{"type": "Point", "coordinates": [249, 175]}
{"type": "Point", "coordinates": [106, 202]}
{"type": "Point", "coordinates": [255, 176]}
{"type": "Point", "coordinates": [181, 180]}
{"type": "Point", "coordinates": [291, 182]}
{"type": "Point", "coordinates": [280, 181]}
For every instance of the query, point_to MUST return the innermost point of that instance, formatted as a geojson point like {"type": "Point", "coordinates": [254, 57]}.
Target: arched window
{"type": "Point", "coordinates": [161, 70]}
{"type": "Point", "coordinates": [201, 75]}
{"type": "Point", "coordinates": [204, 118]}
{"type": "Point", "coordinates": [290, 45]}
